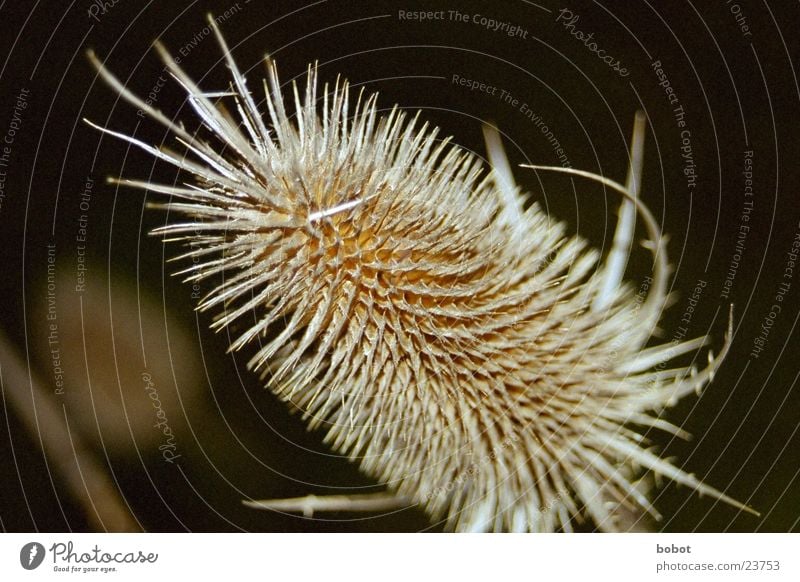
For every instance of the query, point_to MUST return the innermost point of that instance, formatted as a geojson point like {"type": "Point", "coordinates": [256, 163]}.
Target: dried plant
{"type": "Point", "coordinates": [464, 351]}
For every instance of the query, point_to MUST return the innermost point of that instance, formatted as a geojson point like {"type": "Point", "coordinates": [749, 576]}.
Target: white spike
{"type": "Point", "coordinates": [512, 202]}
{"type": "Point", "coordinates": [650, 461]}
{"type": "Point", "coordinates": [623, 237]}
{"type": "Point", "coordinates": [251, 115]}
{"type": "Point", "coordinates": [650, 357]}
{"type": "Point", "coordinates": [310, 504]}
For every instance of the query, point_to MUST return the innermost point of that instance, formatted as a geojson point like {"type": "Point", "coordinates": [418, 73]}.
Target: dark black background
{"type": "Point", "coordinates": [739, 93]}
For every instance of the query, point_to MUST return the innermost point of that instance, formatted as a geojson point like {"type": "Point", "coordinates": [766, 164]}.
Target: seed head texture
{"type": "Point", "coordinates": [461, 348]}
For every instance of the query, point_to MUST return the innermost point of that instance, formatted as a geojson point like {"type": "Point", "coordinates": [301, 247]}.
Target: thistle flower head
{"type": "Point", "coordinates": [466, 352]}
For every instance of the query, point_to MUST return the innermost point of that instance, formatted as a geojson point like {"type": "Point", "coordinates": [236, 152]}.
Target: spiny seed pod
{"type": "Point", "coordinates": [464, 351]}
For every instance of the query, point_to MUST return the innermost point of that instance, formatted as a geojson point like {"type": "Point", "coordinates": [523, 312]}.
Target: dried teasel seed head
{"type": "Point", "coordinates": [466, 352]}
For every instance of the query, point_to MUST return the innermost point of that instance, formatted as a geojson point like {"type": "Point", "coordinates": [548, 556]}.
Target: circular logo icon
{"type": "Point", "coordinates": [31, 555]}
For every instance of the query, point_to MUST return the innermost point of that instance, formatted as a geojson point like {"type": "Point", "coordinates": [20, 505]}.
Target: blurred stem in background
{"type": "Point", "coordinates": [64, 450]}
